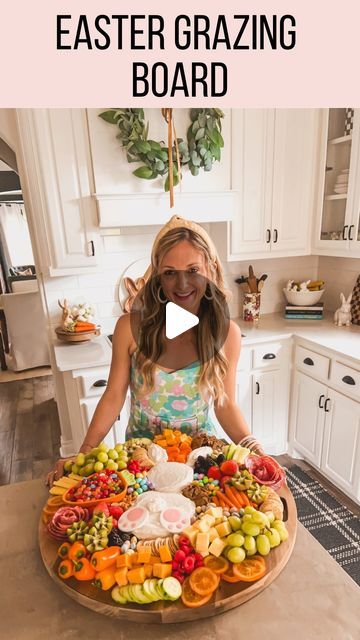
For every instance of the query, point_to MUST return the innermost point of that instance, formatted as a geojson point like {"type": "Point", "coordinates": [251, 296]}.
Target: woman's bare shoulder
{"type": "Point", "coordinates": [123, 336]}
{"type": "Point", "coordinates": [233, 339]}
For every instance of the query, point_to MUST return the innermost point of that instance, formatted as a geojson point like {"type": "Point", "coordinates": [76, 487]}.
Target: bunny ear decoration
{"type": "Point", "coordinates": [349, 298]}
{"type": "Point", "coordinates": [342, 297]}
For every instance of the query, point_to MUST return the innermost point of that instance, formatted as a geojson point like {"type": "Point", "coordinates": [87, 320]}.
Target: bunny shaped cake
{"type": "Point", "coordinates": [342, 316]}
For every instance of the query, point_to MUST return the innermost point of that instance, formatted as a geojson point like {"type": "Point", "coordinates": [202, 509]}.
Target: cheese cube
{"type": "Point", "coordinates": [216, 512]}
{"type": "Point", "coordinates": [223, 529]}
{"type": "Point", "coordinates": [121, 576]}
{"type": "Point", "coordinates": [192, 536]}
{"type": "Point", "coordinates": [165, 553]}
{"type": "Point", "coordinates": [143, 554]}
{"type": "Point", "coordinates": [161, 570]}
{"type": "Point", "coordinates": [209, 519]}
{"type": "Point", "coordinates": [203, 525]}
{"type": "Point", "coordinates": [123, 561]}
{"type": "Point", "coordinates": [148, 568]}
{"type": "Point", "coordinates": [202, 542]}
{"type": "Point", "coordinates": [213, 534]}
{"type": "Point", "coordinates": [204, 553]}
{"type": "Point", "coordinates": [218, 520]}
{"type": "Point", "coordinates": [217, 547]}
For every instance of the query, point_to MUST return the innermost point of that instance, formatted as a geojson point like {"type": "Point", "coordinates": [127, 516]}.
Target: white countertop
{"type": "Point", "coordinates": [70, 356]}
{"type": "Point", "coordinates": [343, 340]}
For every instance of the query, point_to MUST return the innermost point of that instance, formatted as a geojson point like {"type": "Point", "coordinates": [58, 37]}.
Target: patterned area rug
{"type": "Point", "coordinates": [332, 524]}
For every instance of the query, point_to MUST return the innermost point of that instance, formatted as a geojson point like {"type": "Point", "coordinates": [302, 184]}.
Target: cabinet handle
{"type": "Point", "coordinates": [100, 383]}
{"type": "Point", "coordinates": [268, 236]}
{"type": "Point", "coordinates": [275, 235]}
{"type": "Point", "coordinates": [269, 356]}
{"type": "Point", "coordinates": [348, 380]}
{"type": "Point", "coordinates": [92, 247]}
{"type": "Point", "coordinates": [321, 405]}
{"type": "Point", "coordinates": [344, 232]}
{"type": "Point", "coordinates": [352, 226]}
{"type": "Point", "coordinates": [257, 388]}
{"type": "Point", "coordinates": [309, 361]}
{"type": "Point", "coordinates": [326, 405]}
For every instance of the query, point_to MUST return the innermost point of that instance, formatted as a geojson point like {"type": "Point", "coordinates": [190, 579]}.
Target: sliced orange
{"type": "Point", "coordinates": [229, 576]}
{"type": "Point", "coordinates": [203, 581]}
{"type": "Point", "coordinates": [217, 565]}
{"type": "Point", "coordinates": [250, 569]}
{"type": "Point", "coordinates": [192, 599]}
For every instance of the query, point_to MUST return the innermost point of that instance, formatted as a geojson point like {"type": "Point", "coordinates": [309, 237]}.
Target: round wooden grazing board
{"type": "Point", "coordinates": [82, 336]}
{"type": "Point", "coordinates": [226, 597]}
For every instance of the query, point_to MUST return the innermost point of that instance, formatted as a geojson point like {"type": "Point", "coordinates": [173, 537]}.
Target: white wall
{"type": "Point", "coordinates": [122, 247]}
{"type": "Point", "coordinates": [340, 275]}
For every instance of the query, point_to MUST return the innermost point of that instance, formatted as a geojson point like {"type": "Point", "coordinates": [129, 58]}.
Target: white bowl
{"type": "Point", "coordinates": [303, 298]}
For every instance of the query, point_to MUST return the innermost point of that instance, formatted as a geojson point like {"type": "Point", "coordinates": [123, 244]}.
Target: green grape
{"type": "Point", "coordinates": [249, 510]}
{"type": "Point", "coordinates": [247, 518]}
{"type": "Point", "coordinates": [80, 459]}
{"type": "Point", "coordinates": [250, 543]}
{"type": "Point", "coordinates": [263, 544]}
{"type": "Point", "coordinates": [270, 516]}
{"type": "Point", "coordinates": [261, 519]}
{"type": "Point", "coordinates": [103, 447]}
{"type": "Point", "coordinates": [236, 555]}
{"type": "Point", "coordinates": [274, 537]}
{"type": "Point", "coordinates": [75, 469]}
{"type": "Point", "coordinates": [68, 465]}
{"type": "Point", "coordinates": [250, 528]}
{"type": "Point", "coordinates": [113, 454]}
{"type": "Point", "coordinates": [251, 553]}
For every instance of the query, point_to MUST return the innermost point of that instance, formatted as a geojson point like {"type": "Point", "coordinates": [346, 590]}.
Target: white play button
{"type": "Point", "coordinates": [178, 320]}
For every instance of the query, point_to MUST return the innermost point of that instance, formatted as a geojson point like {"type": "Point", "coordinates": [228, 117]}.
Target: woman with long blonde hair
{"type": "Point", "coordinates": [174, 382]}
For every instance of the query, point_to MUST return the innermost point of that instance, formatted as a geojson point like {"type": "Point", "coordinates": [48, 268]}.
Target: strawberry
{"type": "Point", "coordinates": [229, 467]}
{"type": "Point", "coordinates": [214, 472]}
{"type": "Point", "coordinates": [102, 507]}
{"type": "Point", "coordinates": [115, 511]}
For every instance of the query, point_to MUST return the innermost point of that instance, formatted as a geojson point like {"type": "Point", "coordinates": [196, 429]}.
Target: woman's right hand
{"type": "Point", "coordinates": [57, 471]}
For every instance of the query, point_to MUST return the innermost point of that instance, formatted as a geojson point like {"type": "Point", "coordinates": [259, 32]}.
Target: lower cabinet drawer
{"type": "Point", "coordinates": [269, 354]}
{"type": "Point", "coordinates": [346, 378]}
{"type": "Point", "coordinates": [311, 362]}
{"type": "Point", "coordinates": [92, 383]}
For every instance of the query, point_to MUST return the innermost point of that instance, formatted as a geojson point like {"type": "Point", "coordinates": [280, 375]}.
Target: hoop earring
{"type": "Point", "coordinates": [159, 296]}
{"type": "Point", "coordinates": [211, 297]}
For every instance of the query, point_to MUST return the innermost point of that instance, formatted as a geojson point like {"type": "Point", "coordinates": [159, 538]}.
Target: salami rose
{"type": "Point", "coordinates": [64, 518]}
{"type": "Point", "coordinates": [266, 471]}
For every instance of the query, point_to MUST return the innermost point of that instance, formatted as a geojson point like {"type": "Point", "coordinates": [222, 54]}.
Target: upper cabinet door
{"type": "Point", "coordinates": [57, 163]}
{"type": "Point", "coordinates": [295, 153]}
{"type": "Point", "coordinates": [252, 168]}
{"type": "Point", "coordinates": [337, 231]}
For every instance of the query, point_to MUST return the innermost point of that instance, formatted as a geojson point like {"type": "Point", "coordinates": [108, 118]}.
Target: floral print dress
{"type": "Point", "coordinates": [175, 403]}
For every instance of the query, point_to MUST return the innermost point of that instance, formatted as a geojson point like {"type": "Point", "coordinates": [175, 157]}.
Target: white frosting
{"type": "Point", "coordinates": [155, 502]}
{"type": "Point", "coordinates": [170, 477]}
{"type": "Point", "coordinates": [157, 453]}
{"type": "Point", "coordinates": [200, 451]}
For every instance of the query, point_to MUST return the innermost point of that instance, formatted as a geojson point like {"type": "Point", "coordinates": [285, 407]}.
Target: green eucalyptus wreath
{"type": "Point", "coordinates": [201, 149]}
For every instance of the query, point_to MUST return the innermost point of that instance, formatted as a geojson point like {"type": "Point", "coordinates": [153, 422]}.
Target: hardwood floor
{"type": "Point", "coordinates": [29, 429]}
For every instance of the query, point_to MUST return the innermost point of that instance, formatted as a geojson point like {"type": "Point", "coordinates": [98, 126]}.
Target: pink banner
{"type": "Point", "coordinates": [254, 54]}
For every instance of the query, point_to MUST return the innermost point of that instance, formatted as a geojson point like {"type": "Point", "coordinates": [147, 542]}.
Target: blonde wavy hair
{"type": "Point", "coordinates": [210, 332]}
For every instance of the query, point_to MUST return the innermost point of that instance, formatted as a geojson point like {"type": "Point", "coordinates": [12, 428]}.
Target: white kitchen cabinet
{"type": "Point", "coordinates": [340, 459]}
{"type": "Point", "coordinates": [58, 177]}
{"type": "Point", "coordinates": [262, 394]}
{"type": "Point", "coordinates": [308, 417]}
{"type": "Point", "coordinates": [269, 423]}
{"type": "Point", "coordinates": [274, 160]}
{"type": "Point", "coordinates": [325, 416]}
{"type": "Point", "coordinates": [337, 230]}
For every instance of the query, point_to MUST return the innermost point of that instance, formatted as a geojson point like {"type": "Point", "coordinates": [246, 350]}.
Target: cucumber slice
{"type": "Point", "coordinates": [148, 591]}
{"type": "Point", "coordinates": [127, 593]}
{"type": "Point", "coordinates": [117, 596]}
{"type": "Point", "coordinates": [153, 590]}
{"type": "Point", "coordinates": [160, 590]}
{"type": "Point", "coordinates": [172, 588]}
{"type": "Point", "coordinates": [139, 594]}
